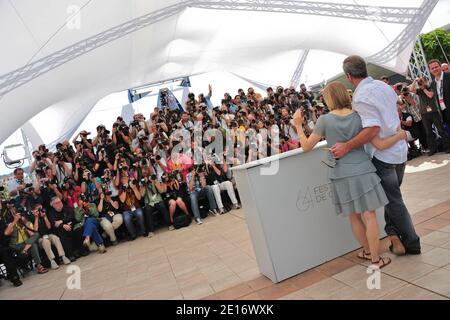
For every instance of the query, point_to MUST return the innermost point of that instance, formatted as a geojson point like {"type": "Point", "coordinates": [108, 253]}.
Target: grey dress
{"type": "Point", "coordinates": [356, 186]}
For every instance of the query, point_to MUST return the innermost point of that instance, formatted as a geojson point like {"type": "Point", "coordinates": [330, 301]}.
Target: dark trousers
{"type": "Point", "coordinates": [428, 119]}
{"type": "Point", "coordinates": [72, 241]}
{"type": "Point", "coordinates": [419, 130]}
{"type": "Point", "coordinates": [398, 219]}
{"type": "Point", "coordinates": [149, 211]}
{"type": "Point", "coordinates": [446, 115]}
{"type": "Point", "coordinates": [6, 257]}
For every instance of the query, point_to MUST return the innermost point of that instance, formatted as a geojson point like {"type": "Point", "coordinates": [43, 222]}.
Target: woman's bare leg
{"type": "Point", "coordinates": [359, 230]}
{"type": "Point", "coordinates": [372, 234]}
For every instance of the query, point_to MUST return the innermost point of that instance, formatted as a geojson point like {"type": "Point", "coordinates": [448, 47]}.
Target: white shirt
{"type": "Point", "coordinates": [14, 184]}
{"type": "Point", "coordinates": [440, 91]}
{"type": "Point", "coordinates": [376, 103]}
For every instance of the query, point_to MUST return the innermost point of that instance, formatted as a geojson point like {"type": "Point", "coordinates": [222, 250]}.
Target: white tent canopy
{"type": "Point", "coordinates": [58, 59]}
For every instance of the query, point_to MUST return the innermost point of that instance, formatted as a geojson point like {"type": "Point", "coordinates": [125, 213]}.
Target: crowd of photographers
{"type": "Point", "coordinates": [121, 183]}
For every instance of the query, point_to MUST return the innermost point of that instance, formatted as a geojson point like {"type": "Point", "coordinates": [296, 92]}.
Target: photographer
{"type": "Point", "coordinates": [62, 218]}
{"type": "Point", "coordinates": [102, 163]}
{"type": "Point", "coordinates": [24, 239]}
{"type": "Point", "coordinates": [100, 138]}
{"type": "Point", "coordinates": [43, 227]}
{"type": "Point", "coordinates": [307, 94]}
{"type": "Point", "coordinates": [108, 183]}
{"type": "Point", "coordinates": [151, 191]}
{"type": "Point", "coordinates": [430, 116]}
{"type": "Point", "coordinates": [61, 168]}
{"type": "Point", "coordinates": [172, 193]}
{"type": "Point", "coordinates": [18, 184]}
{"type": "Point", "coordinates": [142, 143]}
{"type": "Point", "coordinates": [197, 187]}
{"type": "Point", "coordinates": [40, 161]}
{"type": "Point", "coordinates": [91, 186]}
{"type": "Point", "coordinates": [217, 179]}
{"type": "Point", "coordinates": [178, 162]}
{"type": "Point", "coordinates": [84, 139]}
{"type": "Point", "coordinates": [121, 135]}
{"type": "Point", "coordinates": [185, 123]}
{"type": "Point", "coordinates": [111, 218]}
{"type": "Point", "coordinates": [406, 121]}
{"type": "Point", "coordinates": [410, 101]}
{"type": "Point", "coordinates": [70, 192]}
{"type": "Point", "coordinates": [130, 198]}
{"type": "Point", "coordinates": [48, 186]}
{"type": "Point", "coordinates": [87, 218]}
{"type": "Point", "coordinates": [66, 150]}
{"type": "Point", "coordinates": [7, 256]}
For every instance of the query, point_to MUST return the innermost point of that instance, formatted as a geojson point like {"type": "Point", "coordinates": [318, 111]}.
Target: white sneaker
{"type": "Point", "coordinates": [199, 221]}
{"type": "Point", "coordinates": [171, 228]}
{"type": "Point", "coordinates": [236, 206]}
{"type": "Point", "coordinates": [221, 211]}
{"type": "Point", "coordinates": [101, 249]}
{"type": "Point", "coordinates": [214, 212]}
{"type": "Point", "coordinates": [65, 260]}
{"type": "Point", "coordinates": [54, 265]}
{"type": "Point", "coordinates": [86, 243]}
{"type": "Point", "coordinates": [150, 235]}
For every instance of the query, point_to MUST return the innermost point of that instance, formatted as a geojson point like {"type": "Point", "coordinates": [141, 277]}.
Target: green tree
{"type": "Point", "coordinates": [431, 45]}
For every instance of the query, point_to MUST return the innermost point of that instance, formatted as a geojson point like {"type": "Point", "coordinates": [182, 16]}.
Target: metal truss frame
{"type": "Point", "coordinates": [418, 65]}
{"type": "Point", "coordinates": [17, 78]}
{"type": "Point", "coordinates": [295, 81]}
{"type": "Point", "coordinates": [406, 37]}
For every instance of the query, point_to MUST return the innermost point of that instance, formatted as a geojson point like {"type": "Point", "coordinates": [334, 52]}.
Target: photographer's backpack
{"type": "Point", "coordinates": [181, 220]}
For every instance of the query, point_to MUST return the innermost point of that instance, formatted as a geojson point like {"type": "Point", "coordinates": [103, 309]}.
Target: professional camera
{"type": "Point", "coordinates": [28, 188]}
{"type": "Point", "coordinates": [135, 124]}
{"type": "Point", "coordinates": [405, 92]}
{"type": "Point", "coordinates": [200, 168]}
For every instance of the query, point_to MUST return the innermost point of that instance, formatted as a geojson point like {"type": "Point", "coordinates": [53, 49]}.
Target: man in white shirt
{"type": "Point", "coordinates": [376, 103]}
{"type": "Point", "coordinates": [18, 184]}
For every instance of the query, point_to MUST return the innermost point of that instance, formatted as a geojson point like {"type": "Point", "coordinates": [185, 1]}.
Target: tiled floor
{"type": "Point", "coordinates": [216, 260]}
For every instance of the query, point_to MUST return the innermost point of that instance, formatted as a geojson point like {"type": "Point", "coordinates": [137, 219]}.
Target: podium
{"type": "Point", "coordinates": [292, 222]}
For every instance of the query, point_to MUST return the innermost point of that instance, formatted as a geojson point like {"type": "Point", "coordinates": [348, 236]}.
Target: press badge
{"type": "Point", "coordinates": [442, 103]}
{"type": "Point", "coordinates": [133, 208]}
{"type": "Point", "coordinates": [429, 109]}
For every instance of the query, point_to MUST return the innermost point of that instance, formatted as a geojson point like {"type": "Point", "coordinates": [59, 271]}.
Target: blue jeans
{"type": "Point", "coordinates": [194, 200]}
{"type": "Point", "coordinates": [398, 219]}
{"type": "Point", "coordinates": [90, 229]}
{"type": "Point", "coordinates": [128, 218]}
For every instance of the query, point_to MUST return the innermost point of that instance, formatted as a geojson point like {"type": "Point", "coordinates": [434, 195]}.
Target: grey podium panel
{"type": "Point", "coordinates": [290, 216]}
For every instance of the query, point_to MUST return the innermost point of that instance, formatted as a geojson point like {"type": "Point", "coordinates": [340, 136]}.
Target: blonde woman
{"type": "Point", "coordinates": [356, 187]}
